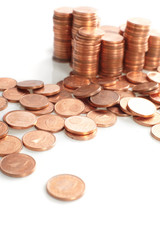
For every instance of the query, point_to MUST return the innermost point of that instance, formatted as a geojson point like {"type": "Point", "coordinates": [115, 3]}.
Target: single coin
{"type": "Point", "coordinates": [137, 77]}
{"type": "Point", "coordinates": [103, 118]}
{"type": "Point", "coordinates": [116, 110]}
{"type": "Point", "coordinates": [34, 101]}
{"type": "Point", "coordinates": [30, 84]}
{"type": "Point", "coordinates": [141, 107]}
{"type": "Point", "coordinates": [3, 129]}
{"type": "Point", "coordinates": [154, 76]}
{"type": "Point", "coordinates": [10, 144]}
{"type": "Point", "coordinates": [81, 137]}
{"type": "Point", "coordinates": [124, 104]}
{"type": "Point", "coordinates": [46, 110]}
{"type": "Point", "coordinates": [87, 91]}
{"type": "Point", "coordinates": [105, 98]}
{"type": "Point", "coordinates": [14, 94]}
{"type": "Point", "coordinates": [48, 90]}
{"type": "Point", "coordinates": [51, 123]}
{"type": "Point", "coordinates": [20, 119]}
{"type": "Point", "coordinates": [88, 107]}
{"type": "Point", "coordinates": [126, 93]}
{"type": "Point", "coordinates": [75, 81]}
{"type": "Point", "coordinates": [69, 107]}
{"type": "Point", "coordinates": [66, 187]}
{"type": "Point", "coordinates": [62, 87]}
{"type": "Point", "coordinates": [6, 83]}
{"type": "Point", "coordinates": [62, 95]}
{"type": "Point", "coordinates": [3, 103]}
{"type": "Point", "coordinates": [104, 81]}
{"type": "Point", "coordinates": [120, 85]}
{"type": "Point", "coordinates": [148, 122]}
{"type": "Point", "coordinates": [155, 97]}
{"type": "Point", "coordinates": [17, 165]}
{"type": "Point", "coordinates": [155, 131]}
{"type": "Point", "coordinates": [80, 125]}
{"type": "Point", "coordinates": [39, 140]}
{"type": "Point", "coordinates": [145, 87]}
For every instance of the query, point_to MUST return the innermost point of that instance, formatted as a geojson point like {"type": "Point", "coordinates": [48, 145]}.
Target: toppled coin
{"type": "Point", "coordinates": [103, 118]}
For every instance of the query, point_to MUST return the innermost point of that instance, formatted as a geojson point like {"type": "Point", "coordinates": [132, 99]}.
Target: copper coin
{"type": "Point", "coordinates": [80, 125]}
{"type": "Point", "coordinates": [103, 118]}
{"type": "Point", "coordinates": [154, 76]}
{"type": "Point", "coordinates": [145, 87]}
{"type": "Point", "coordinates": [104, 81]}
{"type": "Point", "coordinates": [126, 93]}
{"type": "Point", "coordinates": [3, 103]}
{"type": "Point", "coordinates": [75, 81]}
{"type": "Point", "coordinates": [155, 131]}
{"type": "Point", "coordinates": [17, 165]}
{"type": "Point", "coordinates": [88, 107]}
{"type": "Point", "coordinates": [62, 87]}
{"type": "Point", "coordinates": [20, 119]}
{"type": "Point", "coordinates": [105, 98]}
{"type": "Point", "coordinates": [155, 97]}
{"type": "Point", "coordinates": [87, 91]}
{"type": "Point", "coordinates": [6, 83]}
{"type": "Point", "coordinates": [66, 187]}
{"type": "Point", "coordinates": [124, 104]}
{"type": "Point", "coordinates": [158, 69]}
{"type": "Point", "coordinates": [30, 84]}
{"type": "Point", "coordinates": [3, 129]}
{"type": "Point", "coordinates": [148, 122]}
{"type": "Point", "coordinates": [34, 101]}
{"type": "Point", "coordinates": [46, 110]}
{"type": "Point", "coordinates": [141, 107]}
{"type": "Point", "coordinates": [14, 94]}
{"type": "Point", "coordinates": [51, 123]}
{"type": "Point", "coordinates": [81, 137]}
{"type": "Point", "coordinates": [120, 85]}
{"type": "Point", "coordinates": [48, 90]}
{"type": "Point", "coordinates": [39, 140]}
{"type": "Point", "coordinates": [10, 144]}
{"type": "Point", "coordinates": [116, 110]}
{"type": "Point", "coordinates": [69, 107]}
{"type": "Point", "coordinates": [62, 95]}
{"type": "Point", "coordinates": [137, 77]}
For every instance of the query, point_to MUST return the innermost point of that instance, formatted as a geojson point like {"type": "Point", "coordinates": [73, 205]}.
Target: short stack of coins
{"type": "Point", "coordinates": [136, 43]}
{"type": "Point", "coordinates": [62, 21]}
{"type": "Point", "coordinates": [112, 53]}
{"type": "Point", "coordinates": [152, 57]}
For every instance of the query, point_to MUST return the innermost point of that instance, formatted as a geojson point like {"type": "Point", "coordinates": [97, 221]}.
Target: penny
{"type": "Point", "coordinates": [20, 119]}
{"type": "Point", "coordinates": [124, 104]}
{"type": "Point", "coordinates": [48, 90]}
{"type": "Point", "coordinates": [145, 87]}
{"type": "Point", "coordinates": [39, 140]}
{"type": "Point", "coordinates": [81, 137]}
{"type": "Point", "coordinates": [14, 94]}
{"type": "Point", "coordinates": [141, 107]}
{"type": "Point", "coordinates": [104, 81]}
{"type": "Point", "coordinates": [148, 122]}
{"type": "Point", "coordinates": [75, 81]}
{"type": "Point", "coordinates": [34, 101]}
{"type": "Point", "coordinates": [3, 103]}
{"type": "Point", "coordinates": [154, 76]}
{"type": "Point", "coordinates": [103, 118]}
{"type": "Point", "coordinates": [80, 125]}
{"type": "Point", "coordinates": [155, 131]}
{"type": "Point", "coordinates": [62, 87]}
{"type": "Point", "coordinates": [155, 97]}
{"type": "Point", "coordinates": [137, 77]}
{"type": "Point", "coordinates": [126, 93]}
{"type": "Point", "coordinates": [105, 98]}
{"type": "Point", "coordinates": [69, 107]}
{"type": "Point", "coordinates": [51, 123]}
{"type": "Point", "coordinates": [62, 95]}
{"type": "Point", "coordinates": [3, 129]}
{"type": "Point", "coordinates": [116, 110]}
{"type": "Point", "coordinates": [87, 91]}
{"type": "Point", "coordinates": [17, 165]}
{"type": "Point", "coordinates": [66, 187]}
{"type": "Point", "coordinates": [6, 83]}
{"type": "Point", "coordinates": [46, 110]}
{"type": "Point", "coordinates": [30, 84]}
{"type": "Point", "coordinates": [120, 85]}
{"type": "Point", "coordinates": [10, 144]}
{"type": "Point", "coordinates": [88, 107]}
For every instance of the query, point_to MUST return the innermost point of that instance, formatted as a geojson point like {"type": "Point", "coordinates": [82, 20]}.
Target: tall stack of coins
{"type": "Point", "coordinates": [62, 21]}
{"type": "Point", "coordinates": [152, 57]}
{"type": "Point", "coordinates": [136, 43]}
{"type": "Point", "coordinates": [112, 53]}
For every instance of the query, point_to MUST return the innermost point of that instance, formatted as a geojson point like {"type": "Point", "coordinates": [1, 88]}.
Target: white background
{"type": "Point", "coordinates": [120, 167]}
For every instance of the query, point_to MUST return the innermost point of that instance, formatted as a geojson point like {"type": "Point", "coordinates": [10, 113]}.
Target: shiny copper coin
{"type": "Point", "coordinates": [104, 81]}
{"type": "Point", "coordinates": [155, 132]}
{"type": "Point", "coordinates": [154, 76]}
{"type": "Point", "coordinates": [46, 110]}
{"type": "Point", "coordinates": [103, 118]}
{"type": "Point", "coordinates": [48, 90]}
{"type": "Point", "coordinates": [34, 101]}
{"type": "Point", "coordinates": [148, 122]}
{"type": "Point", "coordinates": [10, 144]}
{"type": "Point", "coordinates": [105, 98]}
{"type": "Point", "coordinates": [126, 93]}
{"type": "Point", "coordinates": [17, 165]}
{"type": "Point", "coordinates": [14, 94]}
{"type": "Point", "coordinates": [75, 81]}
{"type": "Point", "coordinates": [124, 104]}
{"type": "Point", "coordinates": [66, 187]}
{"type": "Point", "coordinates": [39, 140]}
{"type": "Point", "coordinates": [120, 85]}
{"type": "Point", "coordinates": [117, 111]}
{"type": "Point", "coordinates": [80, 125]}
{"type": "Point", "coordinates": [6, 83]}
{"type": "Point", "coordinates": [81, 137]}
{"type": "Point", "coordinates": [87, 91]}
{"type": "Point", "coordinates": [3, 103]}
{"type": "Point", "coordinates": [62, 95]}
{"type": "Point", "coordinates": [145, 87]}
{"type": "Point", "coordinates": [3, 129]}
{"type": "Point", "coordinates": [20, 119]}
{"type": "Point", "coordinates": [137, 77]}
{"type": "Point", "coordinates": [69, 107]}
{"type": "Point", "coordinates": [30, 84]}
{"type": "Point", "coordinates": [50, 123]}
{"type": "Point", "coordinates": [88, 107]}
{"type": "Point", "coordinates": [155, 98]}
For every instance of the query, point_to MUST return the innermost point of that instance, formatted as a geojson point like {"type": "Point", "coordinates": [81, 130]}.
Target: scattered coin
{"type": "Point", "coordinates": [155, 132]}
{"type": "Point", "coordinates": [116, 110]}
{"type": "Point", "coordinates": [46, 110]}
{"type": "Point", "coordinates": [75, 81]}
{"type": "Point", "coordinates": [104, 81]}
{"type": "Point", "coordinates": [155, 97]}
{"type": "Point", "coordinates": [48, 90]}
{"type": "Point", "coordinates": [137, 77]}
{"type": "Point", "coordinates": [87, 91]}
{"type": "Point", "coordinates": [120, 85]}
{"type": "Point", "coordinates": [3, 129]}
{"type": "Point", "coordinates": [51, 123]}
{"type": "Point", "coordinates": [30, 84]}
{"type": "Point", "coordinates": [34, 101]}
{"type": "Point", "coordinates": [14, 94]}
{"type": "Point", "coordinates": [81, 137]}
{"type": "Point", "coordinates": [103, 118]}
{"type": "Point", "coordinates": [3, 103]}
{"type": "Point", "coordinates": [148, 122]}
{"type": "Point", "coordinates": [62, 95]}
{"type": "Point", "coordinates": [154, 76]}
{"type": "Point", "coordinates": [126, 93]}
{"type": "Point", "coordinates": [6, 83]}
{"type": "Point", "coordinates": [88, 106]}
{"type": "Point", "coordinates": [124, 104]}
{"type": "Point", "coordinates": [10, 144]}
{"type": "Point", "coordinates": [145, 87]}
{"type": "Point", "coordinates": [105, 98]}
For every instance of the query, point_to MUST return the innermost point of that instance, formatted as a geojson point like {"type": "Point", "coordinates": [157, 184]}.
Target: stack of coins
{"type": "Point", "coordinates": [152, 57]}
{"type": "Point", "coordinates": [136, 43]}
{"type": "Point", "coordinates": [62, 21]}
{"type": "Point", "coordinates": [112, 53]}
{"type": "Point", "coordinates": [86, 51]}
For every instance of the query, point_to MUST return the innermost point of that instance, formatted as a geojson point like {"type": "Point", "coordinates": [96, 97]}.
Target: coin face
{"type": "Point", "coordinates": [137, 77]}
{"type": "Point", "coordinates": [48, 90]}
{"type": "Point", "coordinates": [3, 129]}
{"type": "Point", "coordinates": [51, 123]}
{"type": "Point", "coordinates": [46, 110]}
{"type": "Point", "coordinates": [30, 84]}
{"type": "Point", "coordinates": [126, 93]}
{"type": "Point", "coordinates": [17, 165]}
{"type": "Point", "coordinates": [148, 122]}
{"type": "Point", "coordinates": [120, 85]}
{"type": "Point", "coordinates": [75, 81]}
{"type": "Point", "coordinates": [145, 87]}
{"type": "Point", "coordinates": [66, 187]}
{"type": "Point", "coordinates": [105, 98]}
{"type": "Point", "coordinates": [10, 144]}
{"type": "Point", "coordinates": [87, 91]}
{"type": "Point", "coordinates": [20, 119]}
{"type": "Point", "coordinates": [34, 101]}
{"type": "Point", "coordinates": [81, 137]}
{"type": "Point", "coordinates": [3, 103]}
{"type": "Point", "coordinates": [155, 132]}
{"type": "Point", "coordinates": [62, 95]}
{"type": "Point", "coordinates": [14, 94]}
{"type": "Point", "coordinates": [39, 140]}
{"type": "Point", "coordinates": [6, 83]}
{"type": "Point", "coordinates": [103, 118]}
{"type": "Point", "coordinates": [154, 76]}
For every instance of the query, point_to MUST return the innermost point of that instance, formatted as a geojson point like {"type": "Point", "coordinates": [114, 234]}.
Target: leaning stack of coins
{"type": "Point", "coordinates": [136, 43]}
{"type": "Point", "coordinates": [62, 21]}
{"type": "Point", "coordinates": [152, 57]}
{"type": "Point", "coordinates": [111, 56]}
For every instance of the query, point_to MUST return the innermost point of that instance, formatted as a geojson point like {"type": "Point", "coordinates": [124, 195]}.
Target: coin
{"type": "Point", "coordinates": [148, 122]}
{"type": "Point", "coordinates": [6, 83]}
{"type": "Point", "coordinates": [116, 110]}
{"type": "Point", "coordinates": [69, 107]}
{"type": "Point", "coordinates": [10, 144]}
{"type": "Point", "coordinates": [145, 87]}
{"type": "Point", "coordinates": [88, 107]}
{"type": "Point", "coordinates": [39, 140]}
{"type": "Point", "coordinates": [124, 104]}
{"type": "Point", "coordinates": [119, 86]}
{"type": "Point", "coordinates": [3, 129]}
{"type": "Point", "coordinates": [30, 84]}
{"type": "Point", "coordinates": [154, 76]}
{"type": "Point", "coordinates": [51, 123]}
{"type": "Point", "coordinates": [137, 77]}
{"type": "Point", "coordinates": [103, 118]}
{"type": "Point", "coordinates": [3, 103]}
{"type": "Point", "coordinates": [48, 90]}
{"type": "Point", "coordinates": [34, 101]}
{"type": "Point", "coordinates": [105, 98]}
{"type": "Point", "coordinates": [14, 94]}
{"type": "Point", "coordinates": [155, 132]}
{"type": "Point", "coordinates": [75, 81]}
{"type": "Point", "coordinates": [81, 137]}
{"type": "Point", "coordinates": [155, 98]}
{"type": "Point", "coordinates": [158, 69]}
{"type": "Point", "coordinates": [66, 187]}
{"type": "Point", "coordinates": [46, 110]}
{"type": "Point", "coordinates": [87, 91]}
{"type": "Point", "coordinates": [17, 165]}
{"type": "Point", "coordinates": [62, 95]}
{"type": "Point", "coordinates": [126, 93]}
{"type": "Point", "coordinates": [20, 119]}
